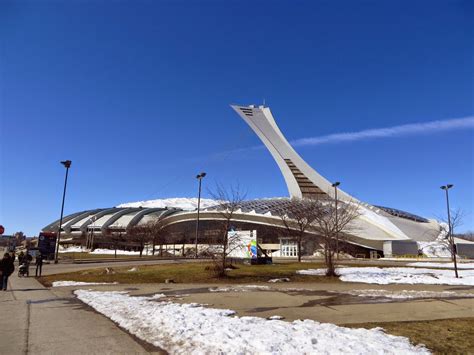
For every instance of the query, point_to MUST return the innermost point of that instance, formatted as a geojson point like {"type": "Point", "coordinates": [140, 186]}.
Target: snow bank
{"type": "Point", "coordinates": [443, 265]}
{"type": "Point", "coordinates": [438, 248]}
{"type": "Point", "coordinates": [399, 275]}
{"type": "Point", "coordinates": [185, 329]}
{"type": "Point", "coordinates": [79, 283]}
{"type": "Point", "coordinates": [73, 249]}
{"type": "Point", "coordinates": [78, 249]}
{"type": "Point", "coordinates": [112, 252]}
{"type": "Point", "coordinates": [240, 288]}
{"type": "Point", "coordinates": [405, 294]}
{"type": "Point", "coordinates": [184, 203]}
{"type": "Point", "coordinates": [435, 249]}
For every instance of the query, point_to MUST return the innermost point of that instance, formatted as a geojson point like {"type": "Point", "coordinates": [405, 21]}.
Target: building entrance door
{"type": "Point", "coordinates": [288, 247]}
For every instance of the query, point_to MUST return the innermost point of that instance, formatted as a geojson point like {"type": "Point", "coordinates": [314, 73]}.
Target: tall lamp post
{"type": "Point", "coordinates": [67, 165]}
{"type": "Point", "coordinates": [335, 185]}
{"type": "Point", "coordinates": [450, 227]}
{"type": "Point", "coordinates": [90, 242]}
{"type": "Point", "coordinates": [199, 177]}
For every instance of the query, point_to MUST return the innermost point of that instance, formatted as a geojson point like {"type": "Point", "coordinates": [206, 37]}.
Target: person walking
{"type": "Point", "coordinates": [6, 268]}
{"type": "Point", "coordinates": [39, 264]}
{"type": "Point", "coordinates": [21, 257]}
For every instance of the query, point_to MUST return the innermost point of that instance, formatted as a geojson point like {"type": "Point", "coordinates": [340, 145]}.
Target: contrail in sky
{"type": "Point", "coordinates": [394, 131]}
{"type": "Point", "coordinates": [388, 132]}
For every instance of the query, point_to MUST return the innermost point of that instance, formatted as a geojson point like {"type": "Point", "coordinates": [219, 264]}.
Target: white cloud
{"type": "Point", "coordinates": [394, 131]}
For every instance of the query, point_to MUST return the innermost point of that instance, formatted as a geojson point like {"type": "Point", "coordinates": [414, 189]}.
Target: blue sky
{"type": "Point", "coordinates": [137, 94]}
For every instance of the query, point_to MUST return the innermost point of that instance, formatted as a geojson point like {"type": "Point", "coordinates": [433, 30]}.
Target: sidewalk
{"type": "Point", "coordinates": [33, 320]}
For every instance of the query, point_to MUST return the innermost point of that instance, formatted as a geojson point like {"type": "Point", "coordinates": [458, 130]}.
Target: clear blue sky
{"type": "Point", "coordinates": [137, 94]}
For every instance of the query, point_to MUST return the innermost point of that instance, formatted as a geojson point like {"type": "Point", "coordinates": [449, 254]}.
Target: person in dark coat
{"type": "Point", "coordinates": [21, 258]}
{"type": "Point", "coordinates": [7, 268]}
{"type": "Point", "coordinates": [39, 264]}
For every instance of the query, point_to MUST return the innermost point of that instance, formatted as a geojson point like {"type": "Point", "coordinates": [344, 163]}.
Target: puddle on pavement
{"type": "Point", "coordinates": [324, 298]}
{"type": "Point", "coordinates": [461, 288]}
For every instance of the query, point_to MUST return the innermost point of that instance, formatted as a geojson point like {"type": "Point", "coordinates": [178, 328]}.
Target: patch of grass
{"type": "Point", "coordinates": [189, 273]}
{"type": "Point", "coordinates": [87, 256]}
{"type": "Point", "coordinates": [444, 336]}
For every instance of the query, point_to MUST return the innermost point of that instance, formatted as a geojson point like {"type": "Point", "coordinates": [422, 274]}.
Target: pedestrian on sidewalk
{"type": "Point", "coordinates": [21, 258]}
{"type": "Point", "coordinates": [6, 269]}
{"type": "Point", "coordinates": [39, 264]}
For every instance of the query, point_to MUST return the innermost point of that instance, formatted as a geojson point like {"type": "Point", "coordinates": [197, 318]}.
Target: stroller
{"type": "Point", "coordinates": [24, 269]}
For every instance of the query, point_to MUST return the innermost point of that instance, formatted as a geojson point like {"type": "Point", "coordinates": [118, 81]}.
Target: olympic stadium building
{"type": "Point", "coordinates": [379, 229]}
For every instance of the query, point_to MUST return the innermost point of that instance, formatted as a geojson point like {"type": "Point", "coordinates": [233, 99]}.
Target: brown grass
{"type": "Point", "coordinates": [444, 336]}
{"type": "Point", "coordinates": [189, 273]}
{"type": "Point", "coordinates": [88, 256]}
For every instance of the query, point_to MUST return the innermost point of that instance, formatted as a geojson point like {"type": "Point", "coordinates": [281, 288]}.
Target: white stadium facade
{"type": "Point", "coordinates": [379, 229]}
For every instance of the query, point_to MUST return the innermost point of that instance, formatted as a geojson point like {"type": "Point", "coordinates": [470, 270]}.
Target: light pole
{"type": "Point", "coordinates": [450, 227]}
{"type": "Point", "coordinates": [335, 185]}
{"type": "Point", "coordinates": [67, 165]}
{"type": "Point", "coordinates": [90, 243]}
{"type": "Point", "coordinates": [199, 177]}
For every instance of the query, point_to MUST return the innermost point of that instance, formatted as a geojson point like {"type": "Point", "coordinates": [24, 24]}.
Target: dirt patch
{"type": "Point", "coordinates": [445, 336]}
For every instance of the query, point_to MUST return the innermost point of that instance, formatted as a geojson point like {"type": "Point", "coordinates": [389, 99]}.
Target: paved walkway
{"type": "Point", "coordinates": [33, 320]}
{"type": "Point", "coordinates": [322, 302]}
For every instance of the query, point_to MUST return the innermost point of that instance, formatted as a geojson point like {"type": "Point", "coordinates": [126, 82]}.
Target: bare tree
{"type": "Point", "coordinates": [456, 220]}
{"type": "Point", "coordinates": [333, 225]}
{"type": "Point", "coordinates": [154, 231]}
{"type": "Point", "coordinates": [139, 234]}
{"type": "Point", "coordinates": [232, 199]}
{"type": "Point", "coordinates": [300, 216]}
{"type": "Point", "coordinates": [116, 238]}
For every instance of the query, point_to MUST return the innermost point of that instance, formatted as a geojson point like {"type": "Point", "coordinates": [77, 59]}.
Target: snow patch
{"type": "Point", "coordinates": [283, 279]}
{"type": "Point", "coordinates": [435, 249]}
{"type": "Point", "coordinates": [405, 294]}
{"type": "Point", "coordinates": [79, 283]}
{"type": "Point", "coordinates": [112, 252]}
{"type": "Point", "coordinates": [439, 248]}
{"type": "Point", "coordinates": [71, 249]}
{"type": "Point", "coordinates": [443, 265]}
{"type": "Point", "coordinates": [398, 275]}
{"type": "Point", "coordinates": [276, 317]}
{"type": "Point", "coordinates": [187, 204]}
{"type": "Point", "coordinates": [242, 288]}
{"type": "Point", "coordinates": [186, 329]}
{"type": "Point", "coordinates": [157, 296]}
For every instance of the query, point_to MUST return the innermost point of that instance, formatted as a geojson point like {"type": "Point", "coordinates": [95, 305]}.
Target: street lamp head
{"type": "Point", "coordinates": [446, 187]}
{"type": "Point", "coordinates": [450, 185]}
{"type": "Point", "coordinates": [201, 175]}
{"type": "Point", "coordinates": [66, 163]}
{"type": "Point", "coordinates": [336, 184]}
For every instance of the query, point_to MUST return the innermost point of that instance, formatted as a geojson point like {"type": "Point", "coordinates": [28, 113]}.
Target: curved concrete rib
{"type": "Point", "coordinates": [67, 228]}
{"type": "Point", "coordinates": [55, 225]}
{"type": "Point", "coordinates": [116, 216]}
{"type": "Point", "coordinates": [111, 211]}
